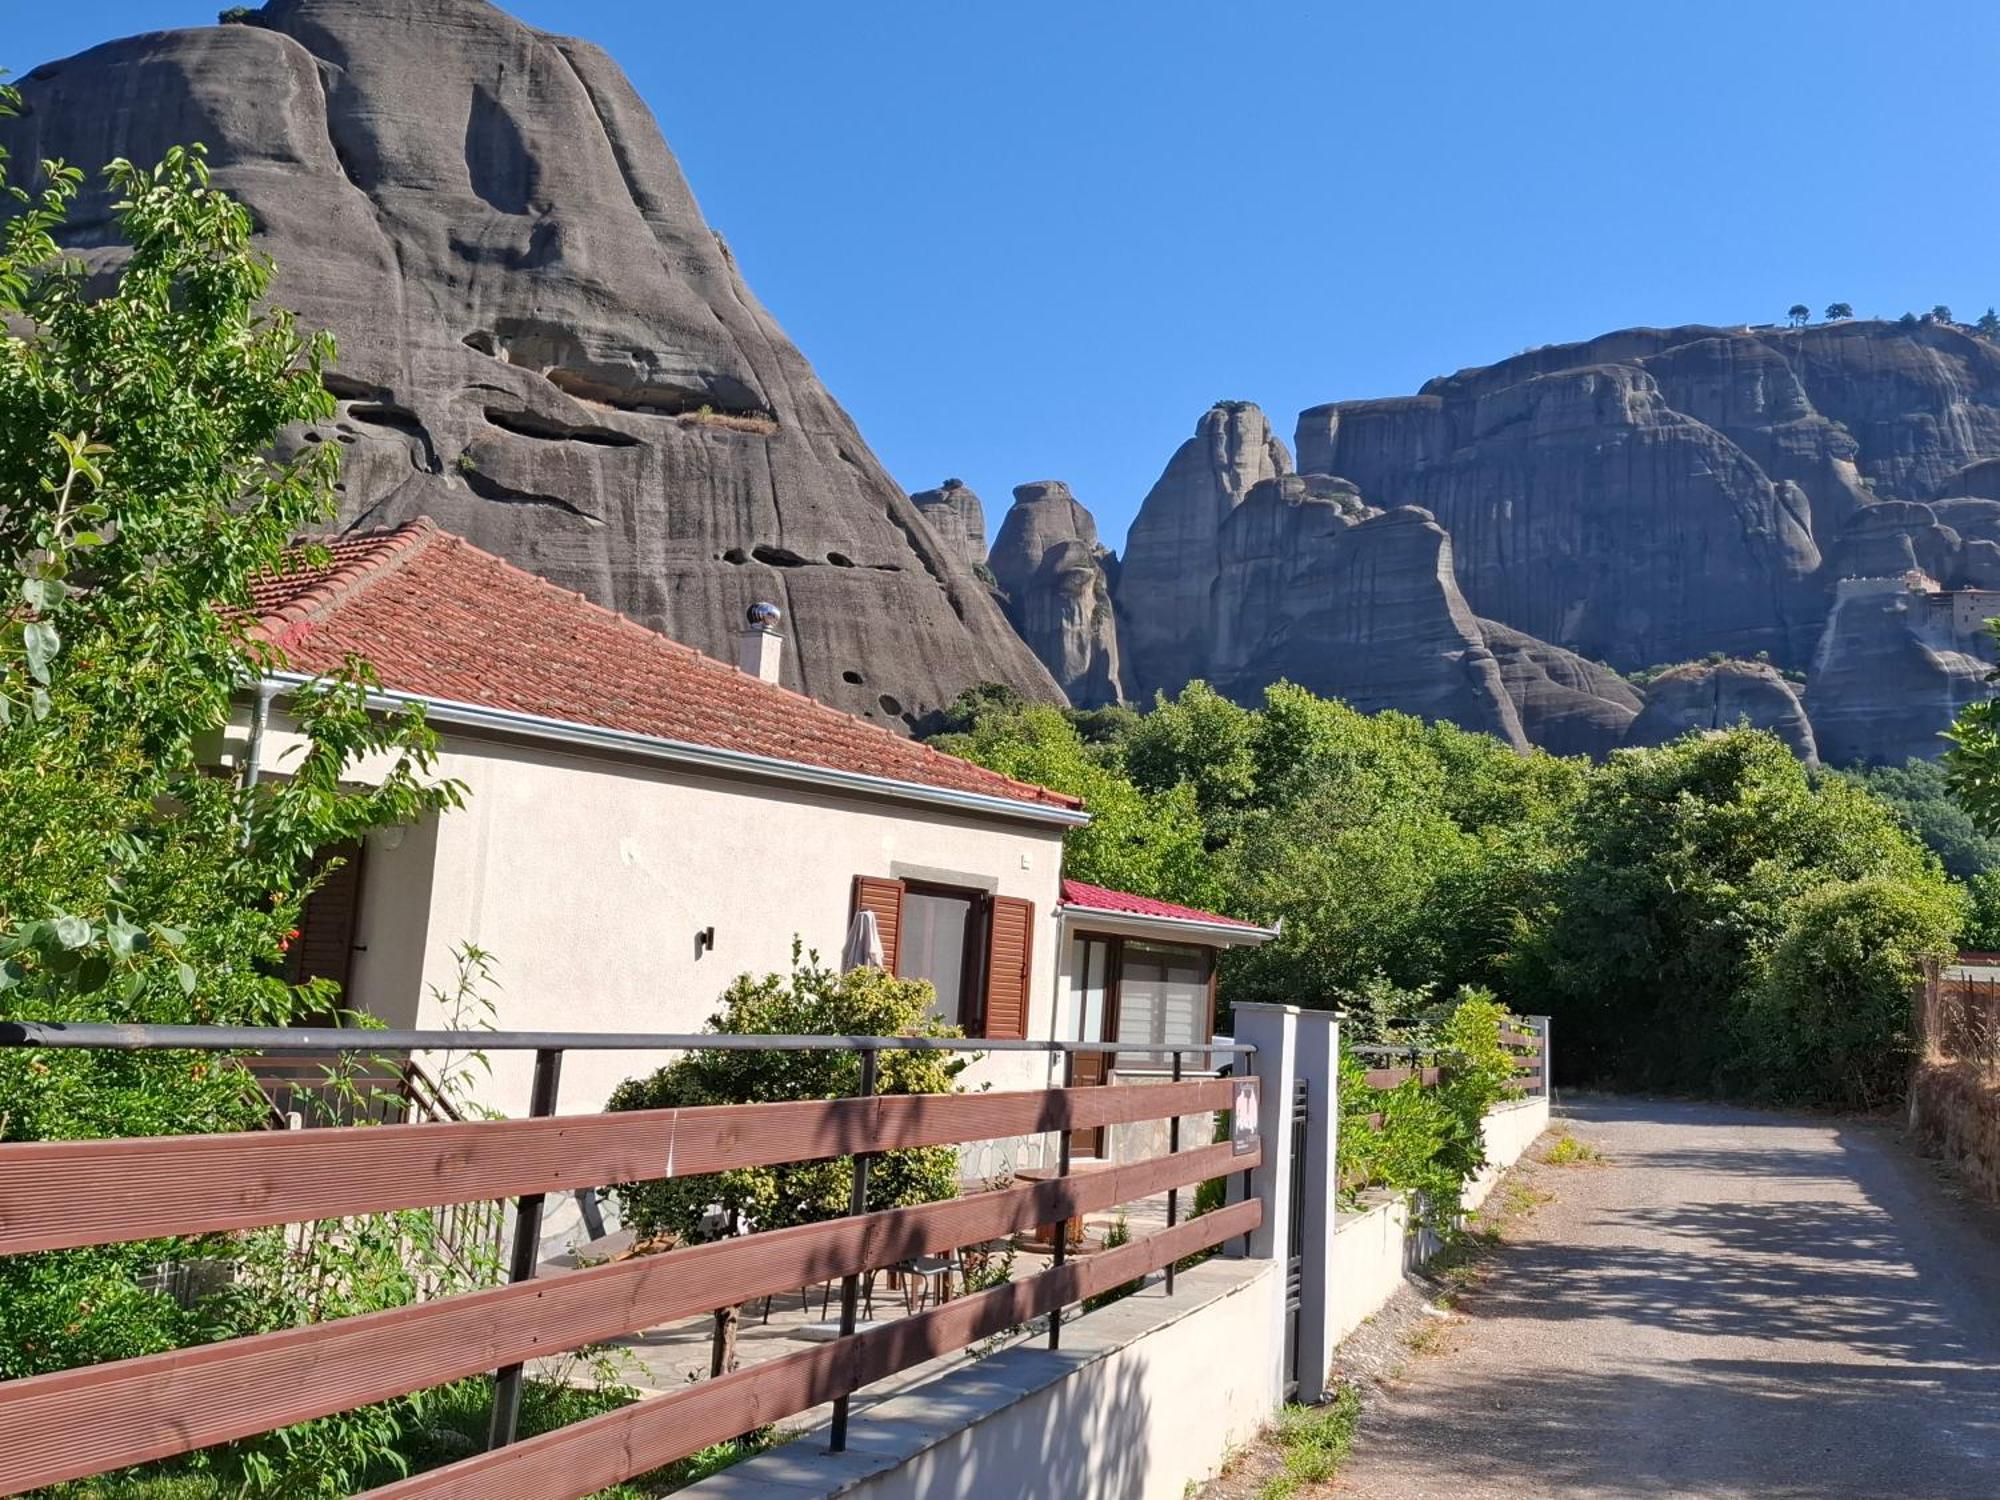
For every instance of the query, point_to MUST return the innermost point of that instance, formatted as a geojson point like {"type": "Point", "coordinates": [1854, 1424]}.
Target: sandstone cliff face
{"type": "Point", "coordinates": [1171, 555]}
{"type": "Point", "coordinates": [1057, 580]}
{"type": "Point", "coordinates": [1647, 496]}
{"type": "Point", "coordinates": [1720, 696]}
{"type": "Point", "coordinates": [1586, 510]}
{"type": "Point", "coordinates": [1893, 668]}
{"type": "Point", "coordinates": [1361, 608]}
{"type": "Point", "coordinates": [957, 517]}
{"type": "Point", "coordinates": [543, 345]}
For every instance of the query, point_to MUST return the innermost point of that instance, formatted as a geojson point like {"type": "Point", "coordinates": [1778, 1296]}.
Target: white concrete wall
{"type": "Point", "coordinates": [1374, 1248]}
{"type": "Point", "coordinates": [1508, 1130]}
{"type": "Point", "coordinates": [1146, 1397]}
{"type": "Point", "coordinates": [587, 879]}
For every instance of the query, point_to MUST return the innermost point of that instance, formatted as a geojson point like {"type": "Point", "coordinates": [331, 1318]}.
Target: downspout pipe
{"type": "Point", "coordinates": [253, 755]}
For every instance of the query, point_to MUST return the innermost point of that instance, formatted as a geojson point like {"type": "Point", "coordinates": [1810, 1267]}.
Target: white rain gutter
{"type": "Point", "coordinates": [1125, 923]}
{"type": "Point", "coordinates": [479, 718]}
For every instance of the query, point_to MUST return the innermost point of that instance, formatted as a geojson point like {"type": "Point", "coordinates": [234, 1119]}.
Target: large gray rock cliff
{"type": "Point", "coordinates": [1171, 554]}
{"type": "Point", "coordinates": [957, 516]}
{"type": "Point", "coordinates": [543, 345]}
{"type": "Point", "coordinates": [1057, 580]}
{"type": "Point", "coordinates": [1825, 497]}
{"type": "Point", "coordinates": [1719, 696]}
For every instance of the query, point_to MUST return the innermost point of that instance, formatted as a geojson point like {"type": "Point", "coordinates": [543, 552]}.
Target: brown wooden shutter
{"type": "Point", "coordinates": [324, 948]}
{"type": "Point", "coordinates": [885, 899]}
{"type": "Point", "coordinates": [1010, 954]}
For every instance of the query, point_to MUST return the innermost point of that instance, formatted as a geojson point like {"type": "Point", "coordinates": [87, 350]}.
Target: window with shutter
{"type": "Point", "coordinates": [324, 948]}
{"type": "Point", "coordinates": [883, 897]}
{"type": "Point", "coordinates": [1009, 957]}
{"type": "Point", "coordinates": [1163, 1001]}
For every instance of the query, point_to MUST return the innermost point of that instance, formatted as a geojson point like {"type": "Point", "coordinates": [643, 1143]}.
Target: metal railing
{"type": "Point", "coordinates": [174, 1186]}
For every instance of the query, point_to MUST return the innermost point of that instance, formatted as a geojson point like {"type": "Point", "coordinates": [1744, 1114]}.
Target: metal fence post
{"type": "Point", "coordinates": [850, 1284]}
{"type": "Point", "coordinates": [1173, 1194]}
{"type": "Point", "coordinates": [1541, 1025]}
{"type": "Point", "coordinates": [527, 1246]}
{"type": "Point", "coordinates": [1062, 1223]}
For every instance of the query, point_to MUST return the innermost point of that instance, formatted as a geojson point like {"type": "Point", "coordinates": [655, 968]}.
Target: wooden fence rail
{"type": "Point", "coordinates": [59, 1194]}
{"type": "Point", "coordinates": [80, 1422]}
{"type": "Point", "coordinates": [1530, 1071]}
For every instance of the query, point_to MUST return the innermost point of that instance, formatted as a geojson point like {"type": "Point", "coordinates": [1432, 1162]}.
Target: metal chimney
{"type": "Point", "coordinates": [760, 649]}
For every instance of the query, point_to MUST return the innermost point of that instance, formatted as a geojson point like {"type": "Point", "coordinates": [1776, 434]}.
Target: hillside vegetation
{"type": "Point", "coordinates": [1707, 915]}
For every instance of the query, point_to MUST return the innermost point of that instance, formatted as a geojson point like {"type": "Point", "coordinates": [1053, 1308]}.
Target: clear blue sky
{"type": "Point", "coordinates": [1030, 240]}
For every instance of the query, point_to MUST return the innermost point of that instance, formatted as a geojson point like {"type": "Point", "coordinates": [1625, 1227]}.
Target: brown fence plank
{"type": "Point", "coordinates": [1521, 1039]}
{"type": "Point", "coordinates": [588, 1456]}
{"type": "Point", "coordinates": [87, 1421]}
{"type": "Point", "coordinates": [59, 1194]}
{"type": "Point", "coordinates": [1389, 1078]}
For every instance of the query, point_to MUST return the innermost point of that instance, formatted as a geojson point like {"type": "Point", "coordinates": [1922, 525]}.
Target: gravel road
{"type": "Point", "coordinates": [1736, 1304]}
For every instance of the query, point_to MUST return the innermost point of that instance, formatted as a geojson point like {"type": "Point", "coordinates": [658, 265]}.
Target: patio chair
{"type": "Point", "coordinates": [926, 1280]}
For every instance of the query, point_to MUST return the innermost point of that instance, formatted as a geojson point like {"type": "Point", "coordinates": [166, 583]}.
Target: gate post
{"type": "Point", "coordinates": [1273, 1031]}
{"type": "Point", "coordinates": [1319, 1068]}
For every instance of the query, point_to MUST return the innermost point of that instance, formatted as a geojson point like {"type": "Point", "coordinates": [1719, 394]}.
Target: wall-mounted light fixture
{"type": "Point", "coordinates": [704, 941]}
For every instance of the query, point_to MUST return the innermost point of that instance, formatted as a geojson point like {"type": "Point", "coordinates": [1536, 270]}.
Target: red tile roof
{"type": "Point", "coordinates": [1123, 903]}
{"type": "Point", "coordinates": [438, 618]}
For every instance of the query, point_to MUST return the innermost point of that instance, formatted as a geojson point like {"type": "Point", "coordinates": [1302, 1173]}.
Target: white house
{"type": "Point", "coordinates": [643, 823]}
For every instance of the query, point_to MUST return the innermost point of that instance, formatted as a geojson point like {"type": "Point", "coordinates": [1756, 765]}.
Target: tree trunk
{"type": "Point", "coordinates": [722, 1356]}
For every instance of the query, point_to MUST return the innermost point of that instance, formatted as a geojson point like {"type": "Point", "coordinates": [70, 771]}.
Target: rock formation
{"type": "Point", "coordinates": [1057, 580]}
{"type": "Point", "coordinates": [1171, 554]}
{"type": "Point", "coordinates": [1720, 695]}
{"type": "Point", "coordinates": [1894, 665]}
{"type": "Point", "coordinates": [1824, 497]}
{"type": "Point", "coordinates": [955, 514]}
{"type": "Point", "coordinates": [543, 345]}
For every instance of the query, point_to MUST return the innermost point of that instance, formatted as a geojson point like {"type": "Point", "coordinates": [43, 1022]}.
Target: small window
{"type": "Point", "coordinates": [936, 927]}
{"type": "Point", "coordinates": [1163, 1001]}
{"type": "Point", "coordinates": [977, 950]}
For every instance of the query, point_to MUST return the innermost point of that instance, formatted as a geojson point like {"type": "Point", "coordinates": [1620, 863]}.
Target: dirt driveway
{"type": "Point", "coordinates": [1735, 1304]}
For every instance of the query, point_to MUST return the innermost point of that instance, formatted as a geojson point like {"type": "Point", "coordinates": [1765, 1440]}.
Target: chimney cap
{"type": "Point", "coordinates": [763, 616]}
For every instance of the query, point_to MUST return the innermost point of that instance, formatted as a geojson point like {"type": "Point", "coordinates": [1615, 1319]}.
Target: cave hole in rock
{"type": "Point", "coordinates": [736, 555]}
{"type": "Point", "coordinates": [779, 557]}
{"type": "Point", "coordinates": [840, 559]}
{"type": "Point", "coordinates": [851, 676]}
{"type": "Point", "coordinates": [530, 424]}
{"type": "Point", "coordinates": [889, 705]}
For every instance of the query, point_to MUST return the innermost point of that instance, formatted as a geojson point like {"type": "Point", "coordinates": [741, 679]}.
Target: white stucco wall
{"type": "Point", "coordinates": [1374, 1248]}
{"type": "Point", "coordinates": [1146, 1398]}
{"type": "Point", "coordinates": [588, 878]}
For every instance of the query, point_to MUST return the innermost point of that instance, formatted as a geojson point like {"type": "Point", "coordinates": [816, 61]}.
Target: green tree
{"type": "Point", "coordinates": [1989, 324]}
{"type": "Point", "coordinates": [1919, 792]}
{"type": "Point", "coordinates": [1152, 843]}
{"type": "Point", "coordinates": [1941, 314]}
{"type": "Point", "coordinates": [1202, 740]}
{"type": "Point", "coordinates": [1681, 872]}
{"type": "Point", "coordinates": [1838, 312]}
{"type": "Point", "coordinates": [1972, 764]}
{"type": "Point", "coordinates": [1831, 1018]}
{"type": "Point", "coordinates": [810, 1001]}
{"type": "Point", "coordinates": [139, 411]}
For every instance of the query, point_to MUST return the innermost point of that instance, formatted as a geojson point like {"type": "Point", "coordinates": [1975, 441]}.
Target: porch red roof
{"type": "Point", "coordinates": [1123, 903]}
{"type": "Point", "coordinates": [439, 618]}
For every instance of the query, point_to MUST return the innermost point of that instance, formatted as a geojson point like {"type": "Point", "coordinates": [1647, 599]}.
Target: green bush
{"type": "Point", "coordinates": [810, 1001]}
{"type": "Point", "coordinates": [1833, 1015]}
{"type": "Point", "coordinates": [1682, 868]}
{"type": "Point", "coordinates": [1429, 1141]}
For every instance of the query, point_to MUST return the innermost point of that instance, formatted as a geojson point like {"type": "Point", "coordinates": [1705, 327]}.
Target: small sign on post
{"type": "Point", "coordinates": [1243, 1117]}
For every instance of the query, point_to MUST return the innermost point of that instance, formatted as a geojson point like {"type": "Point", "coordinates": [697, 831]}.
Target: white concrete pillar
{"type": "Point", "coordinates": [1318, 1053]}
{"type": "Point", "coordinates": [1273, 1031]}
